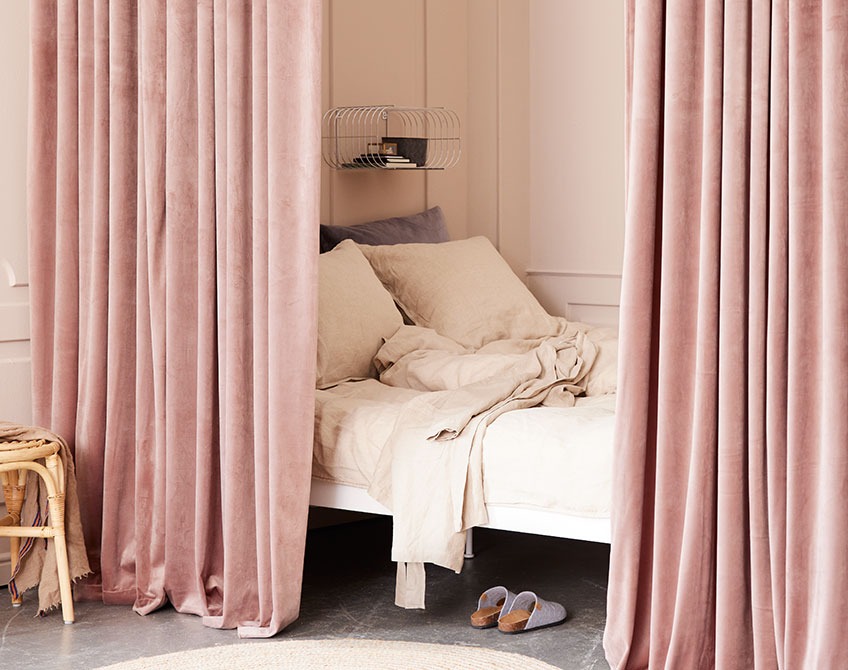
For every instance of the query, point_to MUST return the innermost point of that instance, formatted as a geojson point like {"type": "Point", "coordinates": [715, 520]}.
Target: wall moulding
{"type": "Point", "coordinates": [13, 277]}
{"type": "Point", "coordinates": [14, 322]}
{"type": "Point", "coordinates": [573, 273]}
{"type": "Point", "coordinates": [579, 296]}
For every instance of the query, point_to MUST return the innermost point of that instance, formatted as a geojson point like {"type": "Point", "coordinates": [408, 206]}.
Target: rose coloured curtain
{"type": "Point", "coordinates": [730, 531]}
{"type": "Point", "coordinates": [173, 209]}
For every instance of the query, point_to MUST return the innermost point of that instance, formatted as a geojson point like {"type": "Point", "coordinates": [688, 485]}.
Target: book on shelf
{"type": "Point", "coordinates": [384, 160]}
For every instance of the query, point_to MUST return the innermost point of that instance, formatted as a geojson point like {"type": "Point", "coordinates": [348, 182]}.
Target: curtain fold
{"type": "Point", "coordinates": [729, 529]}
{"type": "Point", "coordinates": [173, 202]}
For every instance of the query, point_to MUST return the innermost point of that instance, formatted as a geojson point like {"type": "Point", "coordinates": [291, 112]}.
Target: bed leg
{"type": "Point", "coordinates": [469, 543]}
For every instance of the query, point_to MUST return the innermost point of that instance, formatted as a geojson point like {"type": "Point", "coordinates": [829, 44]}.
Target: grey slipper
{"type": "Point", "coordinates": [491, 604]}
{"type": "Point", "coordinates": [530, 612]}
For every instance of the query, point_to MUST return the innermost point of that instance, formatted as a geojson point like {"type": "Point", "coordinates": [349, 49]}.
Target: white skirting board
{"type": "Point", "coordinates": [501, 517]}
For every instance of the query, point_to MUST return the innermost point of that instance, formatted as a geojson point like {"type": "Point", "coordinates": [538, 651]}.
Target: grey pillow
{"type": "Point", "coordinates": [426, 226]}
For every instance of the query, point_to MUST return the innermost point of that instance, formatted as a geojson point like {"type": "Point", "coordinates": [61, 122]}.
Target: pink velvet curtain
{"type": "Point", "coordinates": [730, 531]}
{"type": "Point", "coordinates": [173, 210]}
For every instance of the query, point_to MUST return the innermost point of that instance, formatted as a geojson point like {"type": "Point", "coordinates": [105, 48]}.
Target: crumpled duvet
{"type": "Point", "coordinates": [429, 472]}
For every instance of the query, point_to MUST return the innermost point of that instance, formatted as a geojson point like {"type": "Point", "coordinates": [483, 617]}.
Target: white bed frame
{"type": "Point", "coordinates": [501, 517]}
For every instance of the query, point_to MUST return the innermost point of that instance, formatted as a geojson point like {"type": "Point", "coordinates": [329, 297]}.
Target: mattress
{"type": "Point", "coordinates": [553, 458]}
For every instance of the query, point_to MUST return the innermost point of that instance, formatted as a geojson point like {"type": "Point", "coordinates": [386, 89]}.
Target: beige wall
{"type": "Point", "coordinates": [471, 57]}
{"type": "Point", "coordinates": [15, 404]}
{"type": "Point", "coordinates": [539, 87]}
{"type": "Point", "coordinates": [402, 53]}
{"type": "Point", "coordinates": [577, 156]}
{"type": "Point", "coordinates": [497, 131]}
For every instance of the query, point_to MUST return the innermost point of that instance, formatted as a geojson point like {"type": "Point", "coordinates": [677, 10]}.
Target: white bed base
{"type": "Point", "coordinates": [501, 517]}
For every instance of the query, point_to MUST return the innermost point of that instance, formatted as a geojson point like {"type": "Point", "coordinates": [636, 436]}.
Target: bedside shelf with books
{"type": "Point", "coordinates": [385, 137]}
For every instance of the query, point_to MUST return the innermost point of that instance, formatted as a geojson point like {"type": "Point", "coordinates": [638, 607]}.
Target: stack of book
{"type": "Point", "coordinates": [384, 161]}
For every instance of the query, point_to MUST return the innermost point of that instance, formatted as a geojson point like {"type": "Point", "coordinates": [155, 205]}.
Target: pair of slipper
{"type": "Point", "coordinates": [511, 613]}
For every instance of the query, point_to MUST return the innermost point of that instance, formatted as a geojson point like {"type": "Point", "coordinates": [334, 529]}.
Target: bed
{"type": "Point", "coordinates": [569, 463]}
{"type": "Point", "coordinates": [448, 398]}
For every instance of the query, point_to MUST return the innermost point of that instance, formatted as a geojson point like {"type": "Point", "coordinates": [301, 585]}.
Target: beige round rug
{"type": "Point", "coordinates": [332, 654]}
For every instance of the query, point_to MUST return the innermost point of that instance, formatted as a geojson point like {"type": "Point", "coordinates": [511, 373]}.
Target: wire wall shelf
{"type": "Point", "coordinates": [386, 137]}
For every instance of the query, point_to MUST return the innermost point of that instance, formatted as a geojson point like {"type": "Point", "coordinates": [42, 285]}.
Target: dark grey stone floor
{"type": "Point", "coordinates": [348, 592]}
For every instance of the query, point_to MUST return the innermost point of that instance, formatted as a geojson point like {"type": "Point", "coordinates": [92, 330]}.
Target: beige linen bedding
{"type": "Point", "coordinates": [429, 463]}
{"type": "Point", "coordinates": [553, 458]}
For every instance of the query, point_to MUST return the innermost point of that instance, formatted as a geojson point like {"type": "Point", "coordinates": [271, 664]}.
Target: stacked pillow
{"type": "Point", "coordinates": [355, 313]}
{"type": "Point", "coordinates": [463, 290]}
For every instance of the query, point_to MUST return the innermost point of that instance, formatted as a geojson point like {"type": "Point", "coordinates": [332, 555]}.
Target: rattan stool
{"type": "Point", "coordinates": [16, 458]}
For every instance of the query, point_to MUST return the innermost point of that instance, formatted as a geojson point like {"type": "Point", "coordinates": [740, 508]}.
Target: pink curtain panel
{"type": "Point", "coordinates": [730, 528]}
{"type": "Point", "coordinates": [173, 212]}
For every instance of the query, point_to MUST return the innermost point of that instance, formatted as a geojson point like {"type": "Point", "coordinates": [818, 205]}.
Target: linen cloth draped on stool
{"type": "Point", "coordinates": [37, 564]}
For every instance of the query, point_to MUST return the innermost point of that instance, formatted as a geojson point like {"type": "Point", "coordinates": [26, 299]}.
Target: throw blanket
{"type": "Point", "coordinates": [38, 562]}
{"type": "Point", "coordinates": [430, 469]}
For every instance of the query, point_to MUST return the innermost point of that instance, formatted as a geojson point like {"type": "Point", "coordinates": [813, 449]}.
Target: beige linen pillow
{"type": "Point", "coordinates": [463, 290]}
{"type": "Point", "coordinates": [355, 314]}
